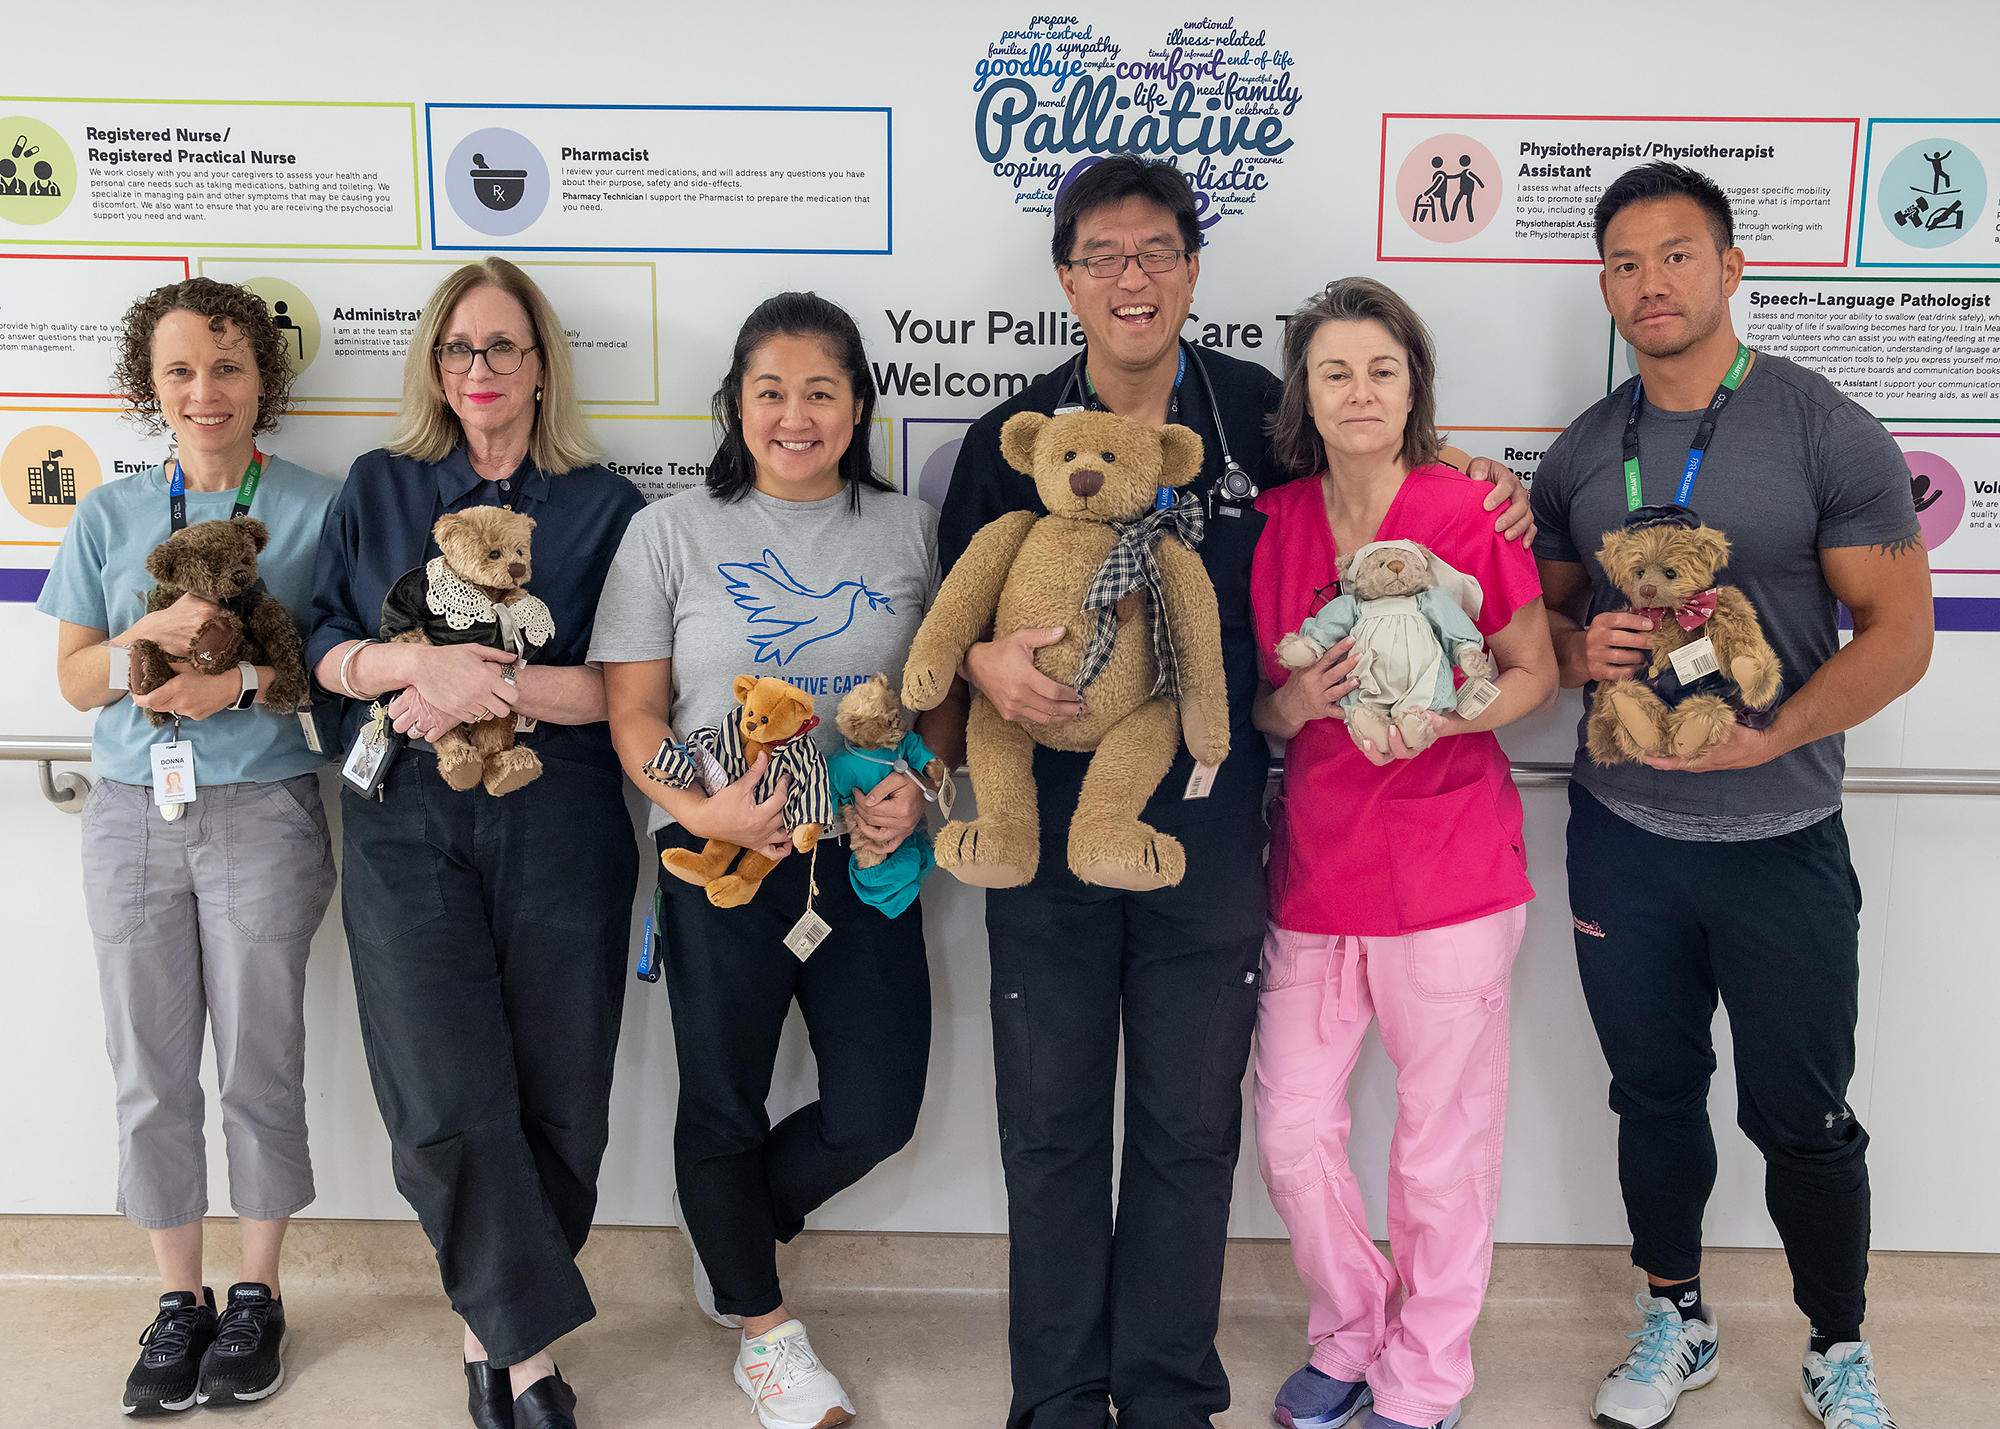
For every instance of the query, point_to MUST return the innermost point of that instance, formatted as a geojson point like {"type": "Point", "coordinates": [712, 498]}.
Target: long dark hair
{"type": "Point", "coordinates": [734, 470]}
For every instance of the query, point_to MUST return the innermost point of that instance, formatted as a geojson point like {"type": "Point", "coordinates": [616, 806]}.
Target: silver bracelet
{"type": "Point", "coordinates": [348, 659]}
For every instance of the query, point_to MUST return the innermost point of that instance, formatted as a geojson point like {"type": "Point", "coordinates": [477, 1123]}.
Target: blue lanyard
{"type": "Point", "coordinates": [1703, 434]}
{"type": "Point", "coordinates": [246, 492]}
{"type": "Point", "coordinates": [1173, 403]}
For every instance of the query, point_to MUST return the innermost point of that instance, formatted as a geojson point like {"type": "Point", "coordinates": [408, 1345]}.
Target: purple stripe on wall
{"type": "Point", "coordinates": [22, 585]}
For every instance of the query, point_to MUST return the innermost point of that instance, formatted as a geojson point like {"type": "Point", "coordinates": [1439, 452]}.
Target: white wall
{"type": "Point", "coordinates": [1522, 346]}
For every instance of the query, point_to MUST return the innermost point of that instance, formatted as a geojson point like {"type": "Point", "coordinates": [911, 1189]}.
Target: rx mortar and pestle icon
{"type": "Point", "coordinates": [498, 189]}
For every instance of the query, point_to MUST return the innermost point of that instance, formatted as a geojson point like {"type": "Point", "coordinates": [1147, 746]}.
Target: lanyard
{"type": "Point", "coordinates": [1730, 381]}
{"type": "Point", "coordinates": [246, 492]}
{"type": "Point", "coordinates": [1173, 402]}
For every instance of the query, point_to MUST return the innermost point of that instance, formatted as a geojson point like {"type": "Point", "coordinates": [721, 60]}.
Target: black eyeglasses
{"type": "Point", "coordinates": [503, 358]}
{"type": "Point", "coordinates": [1110, 265]}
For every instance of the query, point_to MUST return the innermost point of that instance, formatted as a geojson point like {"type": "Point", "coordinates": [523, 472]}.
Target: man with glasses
{"type": "Point", "coordinates": [1124, 1313]}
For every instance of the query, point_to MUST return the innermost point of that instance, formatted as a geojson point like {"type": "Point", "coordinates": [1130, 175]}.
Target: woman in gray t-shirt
{"type": "Point", "coordinates": [796, 561]}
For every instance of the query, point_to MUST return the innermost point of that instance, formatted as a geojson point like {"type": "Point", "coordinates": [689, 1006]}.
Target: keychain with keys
{"type": "Point", "coordinates": [173, 775]}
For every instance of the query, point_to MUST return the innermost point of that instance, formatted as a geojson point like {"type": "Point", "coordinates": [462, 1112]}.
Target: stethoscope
{"type": "Point", "coordinates": [1235, 487]}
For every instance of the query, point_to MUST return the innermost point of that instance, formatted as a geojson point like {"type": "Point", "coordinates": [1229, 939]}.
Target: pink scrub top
{"type": "Point", "coordinates": [1419, 843]}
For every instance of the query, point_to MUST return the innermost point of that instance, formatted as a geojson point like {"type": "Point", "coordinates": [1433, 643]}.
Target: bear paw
{"type": "Point", "coordinates": [990, 854]}
{"type": "Point", "coordinates": [510, 769]}
{"type": "Point", "coordinates": [1637, 722]}
{"type": "Point", "coordinates": [1700, 725]}
{"type": "Point", "coordinates": [1135, 857]}
{"type": "Point", "coordinates": [732, 890]}
{"type": "Point", "coordinates": [458, 763]}
{"type": "Point", "coordinates": [1296, 651]}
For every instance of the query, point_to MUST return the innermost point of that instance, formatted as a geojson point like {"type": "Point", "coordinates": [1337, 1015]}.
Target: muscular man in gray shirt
{"type": "Point", "coordinates": [1729, 875]}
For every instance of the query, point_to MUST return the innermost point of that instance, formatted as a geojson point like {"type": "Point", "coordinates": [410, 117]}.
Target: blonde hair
{"type": "Point", "coordinates": [429, 430]}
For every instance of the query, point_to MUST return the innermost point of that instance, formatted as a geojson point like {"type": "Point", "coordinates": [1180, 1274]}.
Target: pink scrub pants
{"type": "Point", "coordinates": [1441, 997]}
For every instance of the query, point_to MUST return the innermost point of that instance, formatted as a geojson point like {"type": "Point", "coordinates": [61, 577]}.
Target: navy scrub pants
{"type": "Point", "coordinates": [489, 939]}
{"type": "Point", "coordinates": [1771, 926]}
{"type": "Point", "coordinates": [1122, 1310]}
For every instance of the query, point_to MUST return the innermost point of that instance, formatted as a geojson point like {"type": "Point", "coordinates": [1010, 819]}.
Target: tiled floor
{"type": "Point", "coordinates": [369, 1349]}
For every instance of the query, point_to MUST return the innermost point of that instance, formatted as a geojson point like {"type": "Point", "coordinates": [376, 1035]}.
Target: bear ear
{"type": "Point", "coordinates": [744, 685]}
{"type": "Point", "coordinates": [531, 522]}
{"type": "Point", "coordinates": [1018, 438]}
{"type": "Point", "coordinates": [160, 565]}
{"type": "Point", "coordinates": [879, 679]}
{"type": "Point", "coordinates": [259, 533]}
{"type": "Point", "coordinates": [446, 524]}
{"type": "Point", "coordinates": [1713, 547]}
{"type": "Point", "coordinates": [801, 706]}
{"type": "Point", "coordinates": [1180, 456]}
{"type": "Point", "coordinates": [1343, 566]}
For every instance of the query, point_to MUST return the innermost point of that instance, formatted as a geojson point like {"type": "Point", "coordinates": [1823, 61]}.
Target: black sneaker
{"type": "Point", "coordinates": [246, 1362]}
{"type": "Point", "coordinates": [164, 1379]}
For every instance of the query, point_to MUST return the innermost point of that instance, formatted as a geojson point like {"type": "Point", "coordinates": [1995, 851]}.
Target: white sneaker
{"type": "Point", "coordinates": [788, 1385]}
{"type": "Point", "coordinates": [1672, 1355]}
{"type": "Point", "coordinates": [704, 1292]}
{"type": "Point", "coordinates": [1839, 1388]}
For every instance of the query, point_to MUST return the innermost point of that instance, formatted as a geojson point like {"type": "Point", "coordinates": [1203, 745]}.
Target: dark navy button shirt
{"type": "Point", "coordinates": [380, 529]}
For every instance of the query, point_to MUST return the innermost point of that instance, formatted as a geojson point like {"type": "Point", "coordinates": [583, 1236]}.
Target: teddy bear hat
{"type": "Point", "coordinates": [1462, 588]}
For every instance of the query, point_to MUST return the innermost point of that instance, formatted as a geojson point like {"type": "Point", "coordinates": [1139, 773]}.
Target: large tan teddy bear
{"type": "Point", "coordinates": [1664, 561]}
{"type": "Point", "coordinates": [1142, 642]}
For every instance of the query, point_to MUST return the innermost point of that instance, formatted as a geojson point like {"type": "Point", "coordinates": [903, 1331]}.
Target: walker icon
{"type": "Point", "coordinates": [50, 483]}
{"type": "Point", "coordinates": [498, 189]}
{"type": "Point", "coordinates": [1448, 188]}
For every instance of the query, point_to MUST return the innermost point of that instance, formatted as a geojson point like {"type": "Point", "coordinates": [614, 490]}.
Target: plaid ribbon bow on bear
{"type": "Point", "coordinates": [1130, 567]}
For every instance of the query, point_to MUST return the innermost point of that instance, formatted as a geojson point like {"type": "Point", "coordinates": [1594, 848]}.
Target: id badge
{"type": "Point", "coordinates": [173, 773]}
{"type": "Point", "coordinates": [369, 760]}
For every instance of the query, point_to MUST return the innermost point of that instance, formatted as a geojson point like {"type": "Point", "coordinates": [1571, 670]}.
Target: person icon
{"type": "Point", "coordinates": [1940, 180]}
{"type": "Point", "coordinates": [1467, 181]}
{"type": "Point", "coordinates": [281, 320]}
{"type": "Point", "coordinates": [45, 185]}
{"type": "Point", "coordinates": [10, 185]}
{"type": "Point", "coordinates": [1432, 198]}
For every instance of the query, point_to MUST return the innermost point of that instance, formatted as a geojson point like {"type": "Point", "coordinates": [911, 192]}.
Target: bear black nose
{"type": "Point", "coordinates": [516, 569]}
{"type": "Point", "coordinates": [1086, 483]}
{"type": "Point", "coordinates": [1648, 592]}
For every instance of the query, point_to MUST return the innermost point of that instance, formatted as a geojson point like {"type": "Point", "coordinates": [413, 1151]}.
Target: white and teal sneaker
{"type": "Point", "coordinates": [1839, 1388]}
{"type": "Point", "coordinates": [1672, 1355]}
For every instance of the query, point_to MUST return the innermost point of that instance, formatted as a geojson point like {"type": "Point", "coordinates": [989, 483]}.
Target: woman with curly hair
{"type": "Point", "coordinates": [203, 911]}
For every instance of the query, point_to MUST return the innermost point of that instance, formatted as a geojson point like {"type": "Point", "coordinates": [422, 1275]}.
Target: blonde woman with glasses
{"type": "Point", "coordinates": [488, 934]}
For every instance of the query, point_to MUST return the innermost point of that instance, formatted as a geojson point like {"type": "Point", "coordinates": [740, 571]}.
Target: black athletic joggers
{"type": "Point", "coordinates": [1662, 927]}
{"type": "Point", "coordinates": [865, 994]}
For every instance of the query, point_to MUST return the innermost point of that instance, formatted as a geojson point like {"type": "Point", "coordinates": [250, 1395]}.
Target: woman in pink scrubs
{"type": "Point", "coordinates": [1398, 883]}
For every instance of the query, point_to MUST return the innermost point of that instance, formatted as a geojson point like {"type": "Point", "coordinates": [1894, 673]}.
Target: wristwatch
{"type": "Point", "coordinates": [249, 696]}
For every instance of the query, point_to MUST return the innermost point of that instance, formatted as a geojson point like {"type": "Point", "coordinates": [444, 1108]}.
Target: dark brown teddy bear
{"type": "Point", "coordinates": [471, 595]}
{"type": "Point", "coordinates": [217, 560]}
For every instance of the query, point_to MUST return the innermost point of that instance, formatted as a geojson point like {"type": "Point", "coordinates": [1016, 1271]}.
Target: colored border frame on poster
{"type": "Point", "coordinates": [1861, 232]}
{"type": "Point", "coordinates": [1612, 380]}
{"type": "Point", "coordinates": [417, 189]}
{"type": "Point", "coordinates": [92, 258]}
{"type": "Point", "coordinates": [1382, 176]}
{"type": "Point", "coordinates": [889, 178]}
{"type": "Point", "coordinates": [654, 309]}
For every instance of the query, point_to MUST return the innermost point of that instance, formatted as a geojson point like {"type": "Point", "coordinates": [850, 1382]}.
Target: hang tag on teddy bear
{"type": "Point", "coordinates": [1474, 696]}
{"type": "Point", "coordinates": [1692, 661]}
{"type": "Point", "coordinates": [1201, 781]}
{"type": "Point", "coordinates": [811, 929]}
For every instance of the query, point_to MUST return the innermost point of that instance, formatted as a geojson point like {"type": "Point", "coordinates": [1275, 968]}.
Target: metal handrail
{"type": "Point", "coordinates": [66, 791]}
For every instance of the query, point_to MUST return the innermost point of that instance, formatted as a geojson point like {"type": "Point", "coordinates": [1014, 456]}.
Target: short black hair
{"type": "Point", "coordinates": [1119, 177]}
{"type": "Point", "coordinates": [733, 472]}
{"type": "Point", "coordinates": [1661, 180]}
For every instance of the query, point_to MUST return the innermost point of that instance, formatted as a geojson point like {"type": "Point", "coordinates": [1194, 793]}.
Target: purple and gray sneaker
{"type": "Point", "coordinates": [1314, 1399]}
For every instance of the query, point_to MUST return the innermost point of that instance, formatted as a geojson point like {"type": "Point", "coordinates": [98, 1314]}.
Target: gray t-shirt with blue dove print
{"type": "Point", "coordinates": [810, 592]}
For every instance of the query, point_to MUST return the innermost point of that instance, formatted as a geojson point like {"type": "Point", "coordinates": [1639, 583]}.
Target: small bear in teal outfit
{"type": "Point", "coordinates": [871, 719]}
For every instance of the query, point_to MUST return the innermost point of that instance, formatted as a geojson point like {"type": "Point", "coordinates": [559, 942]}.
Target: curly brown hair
{"type": "Point", "coordinates": [219, 303]}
